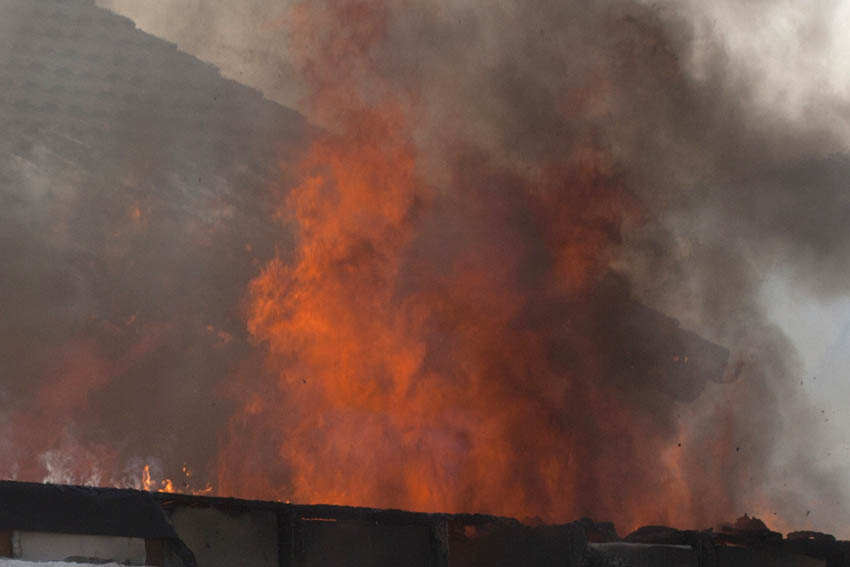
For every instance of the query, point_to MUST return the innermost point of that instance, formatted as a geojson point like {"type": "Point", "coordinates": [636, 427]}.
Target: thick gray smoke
{"type": "Point", "coordinates": [138, 194]}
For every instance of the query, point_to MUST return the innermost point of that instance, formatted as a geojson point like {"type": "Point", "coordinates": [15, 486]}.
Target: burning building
{"type": "Point", "coordinates": [525, 290]}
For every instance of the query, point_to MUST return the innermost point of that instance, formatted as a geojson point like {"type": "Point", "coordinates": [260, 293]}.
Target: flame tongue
{"type": "Point", "coordinates": [344, 335]}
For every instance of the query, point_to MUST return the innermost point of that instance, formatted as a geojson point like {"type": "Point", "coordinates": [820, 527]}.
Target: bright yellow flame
{"type": "Point", "coordinates": [149, 484]}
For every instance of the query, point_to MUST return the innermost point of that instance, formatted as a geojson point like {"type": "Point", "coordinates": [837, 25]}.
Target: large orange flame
{"type": "Point", "coordinates": [459, 340]}
{"type": "Point", "coordinates": [413, 369]}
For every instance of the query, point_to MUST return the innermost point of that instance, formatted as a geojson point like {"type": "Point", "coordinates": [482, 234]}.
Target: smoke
{"type": "Point", "coordinates": [567, 160]}
{"type": "Point", "coordinates": [451, 316]}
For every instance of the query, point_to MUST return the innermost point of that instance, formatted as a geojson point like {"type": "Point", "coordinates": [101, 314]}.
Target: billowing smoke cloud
{"type": "Point", "coordinates": [455, 314]}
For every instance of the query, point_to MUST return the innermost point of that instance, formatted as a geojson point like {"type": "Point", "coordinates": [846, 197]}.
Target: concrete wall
{"type": "Point", "coordinates": [40, 546]}
{"type": "Point", "coordinates": [227, 538]}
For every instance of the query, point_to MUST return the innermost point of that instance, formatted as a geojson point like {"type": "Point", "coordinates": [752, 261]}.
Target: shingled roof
{"type": "Point", "coordinates": [72, 67]}
{"type": "Point", "coordinates": [94, 88]}
{"type": "Point", "coordinates": [137, 197]}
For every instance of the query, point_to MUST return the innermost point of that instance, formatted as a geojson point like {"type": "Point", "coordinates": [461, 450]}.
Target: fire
{"type": "Point", "coordinates": [412, 380]}
{"type": "Point", "coordinates": [150, 485]}
{"type": "Point", "coordinates": [452, 332]}
{"type": "Point", "coordinates": [147, 483]}
{"type": "Point", "coordinates": [445, 350]}
{"type": "Point", "coordinates": [167, 485]}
